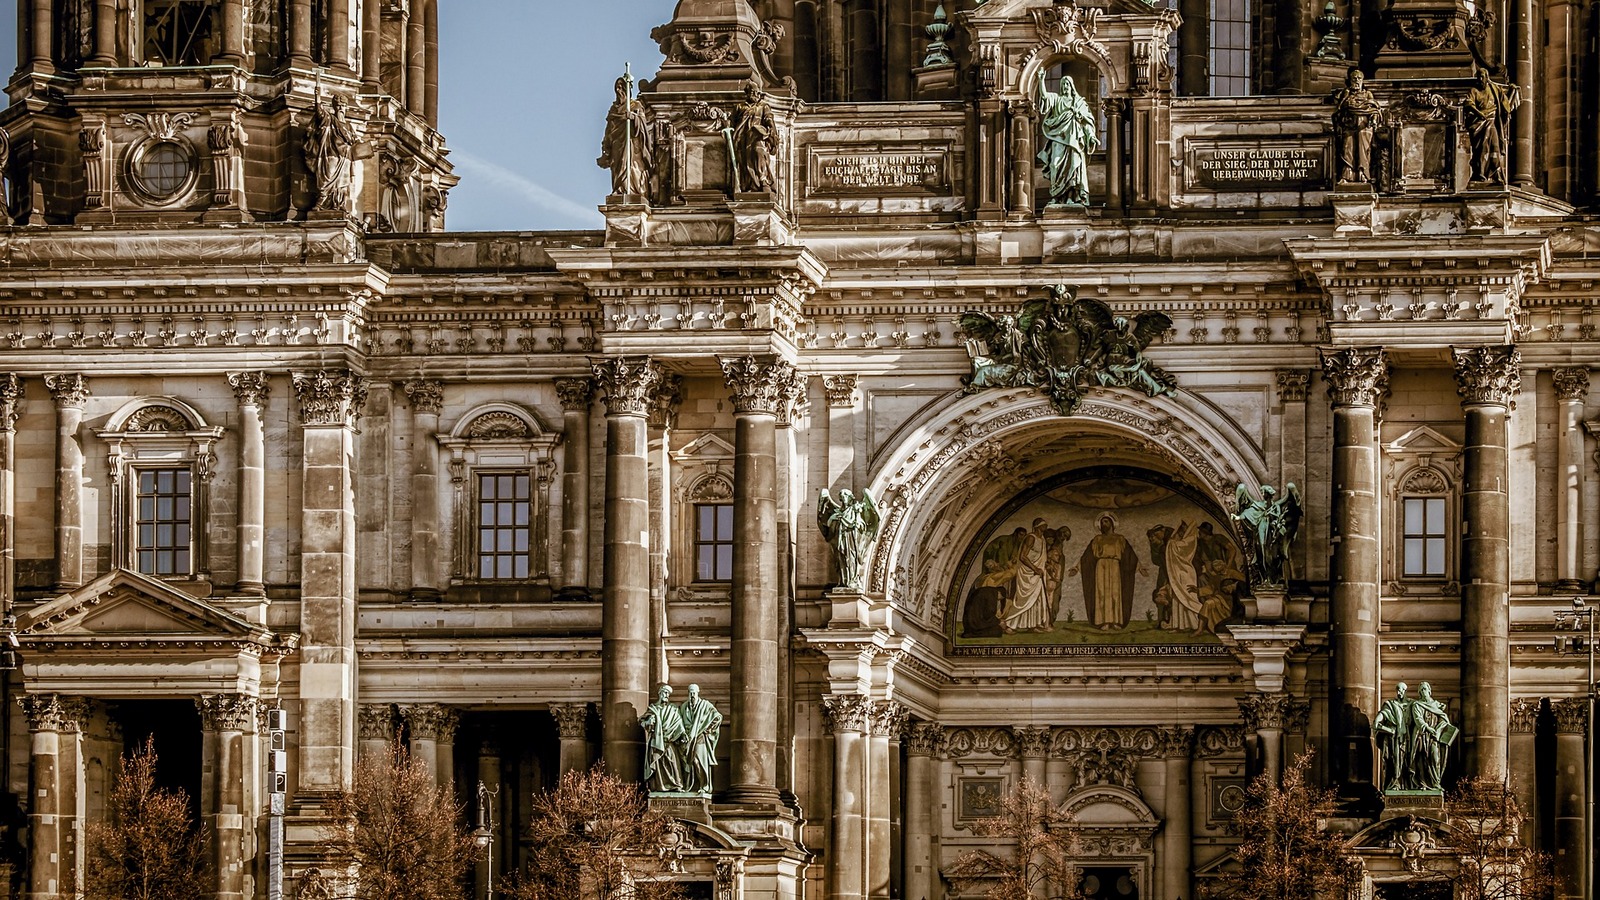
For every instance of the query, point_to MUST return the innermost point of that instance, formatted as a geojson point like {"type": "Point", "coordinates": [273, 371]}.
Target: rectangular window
{"type": "Point", "coordinates": [505, 529]}
{"type": "Point", "coordinates": [1230, 48]}
{"type": "Point", "coordinates": [180, 32]}
{"type": "Point", "coordinates": [713, 542]}
{"type": "Point", "coordinates": [163, 521]}
{"type": "Point", "coordinates": [1424, 537]}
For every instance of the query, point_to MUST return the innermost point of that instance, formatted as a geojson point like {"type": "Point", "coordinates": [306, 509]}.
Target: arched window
{"type": "Point", "coordinates": [161, 463]}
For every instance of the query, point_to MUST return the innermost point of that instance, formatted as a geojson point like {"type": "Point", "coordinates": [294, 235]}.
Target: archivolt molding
{"type": "Point", "coordinates": [1187, 433]}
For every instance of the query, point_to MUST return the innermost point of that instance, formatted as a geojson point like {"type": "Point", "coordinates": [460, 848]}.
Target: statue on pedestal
{"type": "Point", "coordinates": [625, 145]}
{"type": "Point", "coordinates": [1070, 133]}
{"type": "Point", "coordinates": [329, 150]}
{"type": "Point", "coordinates": [680, 743]}
{"type": "Point", "coordinates": [849, 523]}
{"type": "Point", "coordinates": [754, 141]}
{"type": "Point", "coordinates": [701, 727]}
{"type": "Point", "coordinates": [1273, 522]}
{"type": "Point", "coordinates": [1486, 113]}
{"type": "Point", "coordinates": [1414, 735]}
{"type": "Point", "coordinates": [1355, 113]}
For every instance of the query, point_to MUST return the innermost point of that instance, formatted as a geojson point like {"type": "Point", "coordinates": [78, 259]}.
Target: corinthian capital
{"type": "Point", "coordinates": [249, 388]}
{"type": "Point", "coordinates": [1488, 376]}
{"type": "Point", "coordinates": [1356, 376]}
{"type": "Point", "coordinates": [847, 712]}
{"type": "Point", "coordinates": [10, 400]}
{"type": "Point", "coordinates": [1524, 715]}
{"type": "Point", "coordinates": [69, 390]}
{"type": "Point", "coordinates": [1266, 710]}
{"type": "Point", "coordinates": [1572, 384]}
{"type": "Point", "coordinates": [664, 405]}
{"type": "Point", "coordinates": [426, 396]}
{"type": "Point", "coordinates": [759, 385]}
{"type": "Point", "coordinates": [923, 739]}
{"type": "Point", "coordinates": [576, 394]}
{"type": "Point", "coordinates": [53, 712]}
{"type": "Point", "coordinates": [629, 384]}
{"type": "Point", "coordinates": [227, 712]}
{"type": "Point", "coordinates": [330, 396]}
{"type": "Point", "coordinates": [431, 721]}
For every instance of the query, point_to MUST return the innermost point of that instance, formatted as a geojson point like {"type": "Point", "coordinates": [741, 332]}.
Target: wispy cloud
{"type": "Point", "coordinates": [482, 170]}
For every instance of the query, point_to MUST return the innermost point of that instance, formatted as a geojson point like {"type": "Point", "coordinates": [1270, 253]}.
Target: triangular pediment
{"type": "Point", "coordinates": [1423, 439]}
{"type": "Point", "coordinates": [706, 446]}
{"type": "Point", "coordinates": [125, 604]}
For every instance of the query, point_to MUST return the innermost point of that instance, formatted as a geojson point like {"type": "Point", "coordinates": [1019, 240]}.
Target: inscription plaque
{"type": "Point", "coordinates": [1257, 166]}
{"type": "Point", "coordinates": [844, 171]}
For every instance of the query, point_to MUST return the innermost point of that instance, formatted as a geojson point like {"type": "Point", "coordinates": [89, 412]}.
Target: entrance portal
{"type": "Point", "coordinates": [1109, 883]}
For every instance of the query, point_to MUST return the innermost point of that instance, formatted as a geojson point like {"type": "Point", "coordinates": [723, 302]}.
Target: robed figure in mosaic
{"type": "Point", "coordinates": [1108, 566]}
{"type": "Point", "coordinates": [1070, 134]}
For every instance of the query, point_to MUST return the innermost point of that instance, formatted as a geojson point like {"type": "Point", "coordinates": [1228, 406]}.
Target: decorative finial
{"type": "Point", "coordinates": [938, 50]}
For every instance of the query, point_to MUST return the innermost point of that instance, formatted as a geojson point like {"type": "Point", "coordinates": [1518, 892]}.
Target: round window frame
{"type": "Point", "coordinates": [134, 176]}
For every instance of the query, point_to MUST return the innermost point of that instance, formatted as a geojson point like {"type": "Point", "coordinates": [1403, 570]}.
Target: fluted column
{"type": "Point", "coordinates": [10, 409]}
{"type": "Point", "coordinates": [1021, 200]}
{"type": "Point", "coordinates": [1357, 378]}
{"type": "Point", "coordinates": [888, 717]}
{"type": "Point", "coordinates": [629, 384]}
{"type": "Point", "coordinates": [433, 734]}
{"type": "Point", "coordinates": [427, 570]}
{"type": "Point", "coordinates": [105, 33]}
{"type": "Point", "coordinates": [52, 719]}
{"type": "Point", "coordinates": [759, 387]}
{"type": "Point", "coordinates": [1266, 715]}
{"type": "Point", "coordinates": [848, 717]}
{"type": "Point", "coordinates": [225, 719]}
{"type": "Point", "coordinates": [71, 392]}
{"type": "Point", "coordinates": [1524, 765]}
{"type": "Point", "coordinates": [1177, 747]}
{"type": "Point", "coordinates": [1033, 744]}
{"type": "Point", "coordinates": [330, 403]}
{"type": "Point", "coordinates": [375, 722]}
{"type": "Point", "coordinates": [1572, 389]}
{"type": "Point", "coordinates": [577, 397]}
{"type": "Point", "coordinates": [1571, 842]}
{"type": "Point", "coordinates": [300, 34]}
{"type": "Point", "coordinates": [572, 729]}
{"type": "Point", "coordinates": [1487, 378]}
{"type": "Point", "coordinates": [250, 389]}
{"type": "Point", "coordinates": [924, 743]}
{"type": "Point", "coordinates": [663, 419]}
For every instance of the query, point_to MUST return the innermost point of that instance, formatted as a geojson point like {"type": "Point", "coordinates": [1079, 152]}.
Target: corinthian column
{"type": "Point", "coordinates": [250, 390]}
{"type": "Point", "coordinates": [330, 403]}
{"type": "Point", "coordinates": [572, 729]}
{"type": "Point", "coordinates": [224, 721]}
{"type": "Point", "coordinates": [1572, 389]}
{"type": "Point", "coordinates": [760, 387]}
{"type": "Point", "coordinates": [427, 576]}
{"type": "Point", "coordinates": [52, 721]}
{"type": "Point", "coordinates": [888, 718]}
{"type": "Point", "coordinates": [629, 384]}
{"type": "Point", "coordinates": [1357, 377]}
{"type": "Point", "coordinates": [10, 409]}
{"type": "Point", "coordinates": [577, 396]}
{"type": "Point", "coordinates": [1177, 747]}
{"type": "Point", "coordinates": [1266, 715]}
{"type": "Point", "coordinates": [1487, 378]}
{"type": "Point", "coordinates": [1524, 763]}
{"type": "Point", "coordinates": [1571, 839]}
{"type": "Point", "coordinates": [70, 393]}
{"type": "Point", "coordinates": [848, 717]}
{"type": "Point", "coordinates": [433, 735]}
{"type": "Point", "coordinates": [663, 419]}
{"type": "Point", "coordinates": [924, 743]}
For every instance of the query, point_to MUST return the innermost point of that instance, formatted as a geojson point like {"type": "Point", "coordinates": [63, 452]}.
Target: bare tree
{"type": "Point", "coordinates": [594, 836]}
{"type": "Point", "coordinates": [1044, 840]}
{"type": "Point", "coordinates": [1285, 853]}
{"type": "Point", "coordinates": [400, 832]}
{"type": "Point", "coordinates": [149, 847]}
{"type": "Point", "coordinates": [1481, 833]}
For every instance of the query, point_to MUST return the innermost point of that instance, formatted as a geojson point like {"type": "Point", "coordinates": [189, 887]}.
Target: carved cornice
{"type": "Point", "coordinates": [1293, 385]}
{"type": "Point", "coordinates": [1266, 711]}
{"type": "Point", "coordinates": [1213, 741]}
{"type": "Point", "coordinates": [1356, 376]}
{"type": "Point", "coordinates": [572, 720]}
{"type": "Point", "coordinates": [846, 712]}
{"type": "Point", "coordinates": [1572, 384]}
{"type": "Point", "coordinates": [250, 388]}
{"type": "Point", "coordinates": [924, 739]}
{"type": "Point", "coordinates": [1032, 741]}
{"type": "Point", "coordinates": [1572, 715]}
{"type": "Point", "coordinates": [375, 722]}
{"type": "Point", "coordinates": [888, 718]}
{"type": "Point", "coordinates": [992, 741]}
{"type": "Point", "coordinates": [53, 712]}
{"type": "Point", "coordinates": [629, 384]}
{"type": "Point", "coordinates": [841, 390]}
{"type": "Point", "coordinates": [760, 385]}
{"type": "Point", "coordinates": [576, 394]}
{"type": "Point", "coordinates": [10, 400]}
{"type": "Point", "coordinates": [1524, 715]}
{"type": "Point", "coordinates": [330, 396]}
{"type": "Point", "coordinates": [664, 405]}
{"type": "Point", "coordinates": [431, 721]}
{"type": "Point", "coordinates": [70, 390]}
{"type": "Point", "coordinates": [1488, 376]}
{"type": "Point", "coordinates": [227, 712]}
{"type": "Point", "coordinates": [426, 396]}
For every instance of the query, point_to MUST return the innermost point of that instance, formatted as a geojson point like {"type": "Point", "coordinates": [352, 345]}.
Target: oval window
{"type": "Point", "coordinates": [164, 169]}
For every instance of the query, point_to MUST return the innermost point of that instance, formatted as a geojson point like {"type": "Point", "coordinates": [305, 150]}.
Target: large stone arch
{"type": "Point", "coordinates": [954, 465]}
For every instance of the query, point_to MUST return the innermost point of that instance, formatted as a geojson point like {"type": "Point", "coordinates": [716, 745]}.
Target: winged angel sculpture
{"type": "Point", "coordinates": [1063, 345]}
{"type": "Point", "coordinates": [849, 523]}
{"type": "Point", "coordinates": [1272, 523]}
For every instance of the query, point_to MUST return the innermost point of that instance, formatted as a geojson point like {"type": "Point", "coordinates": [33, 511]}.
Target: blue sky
{"type": "Point", "coordinates": [524, 87]}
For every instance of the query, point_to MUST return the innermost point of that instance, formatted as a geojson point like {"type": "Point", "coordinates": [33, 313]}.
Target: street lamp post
{"type": "Point", "coordinates": [483, 835]}
{"type": "Point", "coordinates": [1581, 617]}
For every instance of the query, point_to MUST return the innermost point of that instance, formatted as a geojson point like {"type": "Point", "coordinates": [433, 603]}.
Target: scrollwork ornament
{"type": "Point", "coordinates": [330, 396]}
{"type": "Point", "coordinates": [1488, 376]}
{"type": "Point", "coordinates": [1293, 385]}
{"type": "Point", "coordinates": [758, 385]}
{"type": "Point", "coordinates": [70, 390]}
{"type": "Point", "coordinates": [841, 390]}
{"type": "Point", "coordinates": [1356, 376]}
{"type": "Point", "coordinates": [1572, 384]}
{"type": "Point", "coordinates": [629, 384]}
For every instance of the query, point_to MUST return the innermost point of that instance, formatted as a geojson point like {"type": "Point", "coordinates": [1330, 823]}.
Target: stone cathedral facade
{"type": "Point", "coordinates": [270, 437]}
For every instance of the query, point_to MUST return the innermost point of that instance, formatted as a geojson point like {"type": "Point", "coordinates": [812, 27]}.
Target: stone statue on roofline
{"type": "Point", "coordinates": [625, 147]}
{"type": "Point", "coordinates": [1069, 134]}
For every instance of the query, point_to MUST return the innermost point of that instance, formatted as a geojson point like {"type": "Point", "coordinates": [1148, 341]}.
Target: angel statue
{"type": "Point", "coordinates": [1273, 522]}
{"type": "Point", "coordinates": [849, 523]}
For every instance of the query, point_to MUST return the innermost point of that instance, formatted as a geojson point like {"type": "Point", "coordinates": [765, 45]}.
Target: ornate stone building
{"type": "Point", "coordinates": [271, 438]}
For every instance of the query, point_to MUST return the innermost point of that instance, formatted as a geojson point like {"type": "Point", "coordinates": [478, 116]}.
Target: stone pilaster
{"type": "Point", "coordinates": [427, 566]}
{"type": "Point", "coordinates": [848, 717]}
{"type": "Point", "coordinates": [572, 728]}
{"type": "Point", "coordinates": [663, 419]}
{"type": "Point", "coordinates": [1572, 390]}
{"type": "Point", "coordinates": [10, 409]}
{"type": "Point", "coordinates": [1524, 763]}
{"type": "Point", "coordinates": [225, 719]}
{"type": "Point", "coordinates": [760, 387]}
{"type": "Point", "coordinates": [1176, 749]}
{"type": "Point", "coordinates": [375, 722]}
{"type": "Point", "coordinates": [924, 743]}
{"type": "Point", "coordinates": [330, 402]}
{"type": "Point", "coordinates": [53, 723]}
{"type": "Point", "coordinates": [577, 398]}
{"type": "Point", "coordinates": [71, 392]}
{"type": "Point", "coordinates": [843, 397]}
{"type": "Point", "coordinates": [1571, 840]}
{"type": "Point", "coordinates": [1293, 392]}
{"type": "Point", "coordinates": [629, 385]}
{"type": "Point", "coordinates": [433, 736]}
{"type": "Point", "coordinates": [1487, 378]}
{"type": "Point", "coordinates": [250, 390]}
{"type": "Point", "coordinates": [1357, 377]}
{"type": "Point", "coordinates": [888, 720]}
